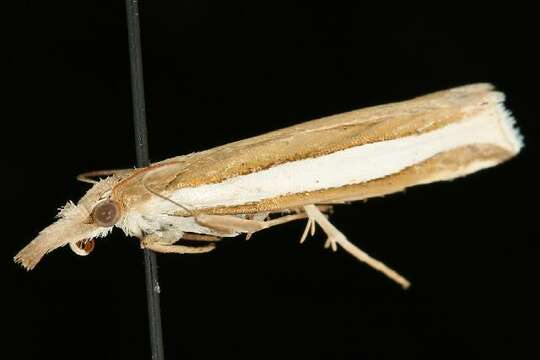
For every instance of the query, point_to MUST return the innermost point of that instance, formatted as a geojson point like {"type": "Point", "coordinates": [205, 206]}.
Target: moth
{"type": "Point", "coordinates": [295, 173]}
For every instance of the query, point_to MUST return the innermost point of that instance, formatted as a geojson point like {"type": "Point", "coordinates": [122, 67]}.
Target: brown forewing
{"type": "Point", "coordinates": [310, 139]}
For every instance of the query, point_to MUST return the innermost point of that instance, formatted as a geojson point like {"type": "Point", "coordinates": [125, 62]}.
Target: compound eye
{"type": "Point", "coordinates": [106, 213]}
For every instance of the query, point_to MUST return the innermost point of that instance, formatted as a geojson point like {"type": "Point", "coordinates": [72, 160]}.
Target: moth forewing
{"type": "Point", "coordinates": [375, 151]}
{"type": "Point", "coordinates": [439, 137]}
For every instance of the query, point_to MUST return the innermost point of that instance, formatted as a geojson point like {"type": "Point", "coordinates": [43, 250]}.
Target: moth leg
{"type": "Point", "coordinates": [179, 249]}
{"type": "Point", "coordinates": [230, 224]}
{"type": "Point", "coordinates": [199, 237]}
{"type": "Point", "coordinates": [336, 237]}
{"type": "Point", "coordinates": [310, 228]}
{"type": "Point", "coordinates": [164, 244]}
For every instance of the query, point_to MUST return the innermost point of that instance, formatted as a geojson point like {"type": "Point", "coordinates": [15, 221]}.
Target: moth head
{"type": "Point", "coordinates": [78, 225]}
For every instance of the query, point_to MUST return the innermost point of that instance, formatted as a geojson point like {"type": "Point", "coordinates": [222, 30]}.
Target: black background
{"type": "Point", "coordinates": [220, 71]}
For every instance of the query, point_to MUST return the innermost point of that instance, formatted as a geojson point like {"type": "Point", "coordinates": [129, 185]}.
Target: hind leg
{"type": "Point", "coordinates": [336, 237]}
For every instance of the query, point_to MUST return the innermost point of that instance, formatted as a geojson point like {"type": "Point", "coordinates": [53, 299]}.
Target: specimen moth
{"type": "Point", "coordinates": [294, 173]}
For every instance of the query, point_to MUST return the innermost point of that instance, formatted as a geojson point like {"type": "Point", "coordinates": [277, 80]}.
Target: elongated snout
{"type": "Point", "coordinates": [62, 232]}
